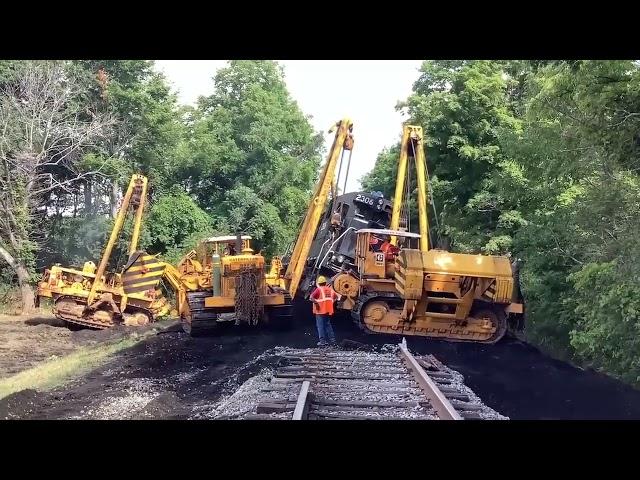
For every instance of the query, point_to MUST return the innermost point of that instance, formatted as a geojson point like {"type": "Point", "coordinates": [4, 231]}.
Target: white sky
{"type": "Point", "coordinates": [364, 90]}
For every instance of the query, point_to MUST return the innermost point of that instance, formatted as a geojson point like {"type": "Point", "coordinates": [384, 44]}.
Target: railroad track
{"type": "Point", "coordinates": [343, 385]}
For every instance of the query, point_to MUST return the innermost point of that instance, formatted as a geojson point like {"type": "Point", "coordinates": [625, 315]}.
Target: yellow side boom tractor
{"type": "Point", "coordinates": [391, 281]}
{"type": "Point", "coordinates": [404, 287]}
{"type": "Point", "coordinates": [99, 299]}
{"type": "Point", "coordinates": [297, 262]}
{"type": "Point", "coordinates": [224, 282]}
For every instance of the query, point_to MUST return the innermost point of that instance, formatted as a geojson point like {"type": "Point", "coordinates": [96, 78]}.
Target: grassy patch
{"type": "Point", "coordinates": [59, 371]}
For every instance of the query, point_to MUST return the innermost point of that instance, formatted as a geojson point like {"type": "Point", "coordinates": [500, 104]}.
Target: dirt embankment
{"type": "Point", "coordinates": [39, 353]}
{"type": "Point", "coordinates": [28, 340]}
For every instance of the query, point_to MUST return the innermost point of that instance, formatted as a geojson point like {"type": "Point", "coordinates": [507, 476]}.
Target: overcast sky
{"type": "Point", "coordinates": [364, 90]}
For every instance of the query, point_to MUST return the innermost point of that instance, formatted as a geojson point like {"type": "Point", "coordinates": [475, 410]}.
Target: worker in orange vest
{"type": "Point", "coordinates": [389, 250]}
{"type": "Point", "coordinates": [323, 298]}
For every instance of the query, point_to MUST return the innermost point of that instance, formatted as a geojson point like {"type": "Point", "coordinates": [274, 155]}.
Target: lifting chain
{"type": "Point", "coordinates": [248, 299]}
{"type": "Point", "coordinates": [136, 195]}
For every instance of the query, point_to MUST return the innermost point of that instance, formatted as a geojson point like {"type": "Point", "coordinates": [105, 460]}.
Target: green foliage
{"type": "Point", "coordinates": [47, 127]}
{"type": "Point", "coordinates": [149, 126]}
{"type": "Point", "coordinates": [7, 70]}
{"type": "Point", "coordinates": [245, 159]}
{"type": "Point", "coordinates": [171, 222]}
{"type": "Point", "coordinates": [148, 132]}
{"type": "Point", "coordinates": [540, 160]}
{"type": "Point", "coordinates": [463, 107]}
{"type": "Point", "coordinates": [251, 157]}
{"type": "Point", "coordinates": [77, 240]}
{"type": "Point", "coordinates": [607, 306]}
{"type": "Point", "coordinates": [385, 168]}
{"type": "Point", "coordinates": [84, 238]}
{"type": "Point", "coordinates": [9, 293]}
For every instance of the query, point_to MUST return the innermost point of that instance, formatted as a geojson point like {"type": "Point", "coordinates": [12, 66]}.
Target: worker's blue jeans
{"type": "Point", "coordinates": [325, 330]}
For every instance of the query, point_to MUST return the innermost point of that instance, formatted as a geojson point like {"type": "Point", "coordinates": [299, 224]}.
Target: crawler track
{"type": "Point", "coordinates": [339, 385]}
{"type": "Point", "coordinates": [202, 321]}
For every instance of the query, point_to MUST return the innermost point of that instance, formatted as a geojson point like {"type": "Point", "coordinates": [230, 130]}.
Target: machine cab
{"type": "Point", "coordinates": [234, 252]}
{"type": "Point", "coordinates": [376, 251]}
{"type": "Point", "coordinates": [228, 245]}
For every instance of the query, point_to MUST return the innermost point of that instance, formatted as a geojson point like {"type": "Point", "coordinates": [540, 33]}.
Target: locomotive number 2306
{"type": "Point", "coordinates": [363, 199]}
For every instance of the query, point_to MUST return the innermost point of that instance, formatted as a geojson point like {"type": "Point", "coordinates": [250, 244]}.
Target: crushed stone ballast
{"type": "Point", "coordinates": [330, 384]}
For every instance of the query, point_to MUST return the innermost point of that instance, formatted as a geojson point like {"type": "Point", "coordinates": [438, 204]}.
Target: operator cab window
{"type": "Point", "coordinates": [344, 210]}
{"type": "Point", "coordinates": [229, 250]}
{"type": "Point", "coordinates": [337, 217]}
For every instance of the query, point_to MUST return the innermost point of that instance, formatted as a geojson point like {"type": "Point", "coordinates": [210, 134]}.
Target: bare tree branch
{"type": "Point", "coordinates": [564, 252]}
{"type": "Point", "coordinates": [627, 117]}
{"type": "Point", "coordinates": [45, 130]}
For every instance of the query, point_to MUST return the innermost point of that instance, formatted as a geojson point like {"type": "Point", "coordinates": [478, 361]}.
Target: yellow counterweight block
{"type": "Point", "coordinates": [141, 275]}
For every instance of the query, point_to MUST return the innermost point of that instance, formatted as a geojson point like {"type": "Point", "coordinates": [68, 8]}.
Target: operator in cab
{"type": "Point", "coordinates": [374, 243]}
{"type": "Point", "coordinates": [229, 249]}
{"type": "Point", "coordinates": [383, 245]}
{"type": "Point", "coordinates": [390, 251]}
{"type": "Point", "coordinates": [323, 298]}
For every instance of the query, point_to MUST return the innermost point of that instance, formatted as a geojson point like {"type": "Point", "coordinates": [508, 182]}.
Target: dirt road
{"type": "Point", "coordinates": [170, 375]}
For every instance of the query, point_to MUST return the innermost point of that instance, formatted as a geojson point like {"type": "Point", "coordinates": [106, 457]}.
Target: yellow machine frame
{"type": "Point", "coordinates": [199, 300]}
{"type": "Point", "coordinates": [444, 295]}
{"type": "Point", "coordinates": [205, 284]}
{"type": "Point", "coordinates": [95, 298]}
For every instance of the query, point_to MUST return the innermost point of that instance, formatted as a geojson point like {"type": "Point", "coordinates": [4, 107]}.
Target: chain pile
{"type": "Point", "coordinates": [248, 299]}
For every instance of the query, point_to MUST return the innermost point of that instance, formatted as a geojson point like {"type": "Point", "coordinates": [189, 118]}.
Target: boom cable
{"type": "Point", "coordinates": [431, 200]}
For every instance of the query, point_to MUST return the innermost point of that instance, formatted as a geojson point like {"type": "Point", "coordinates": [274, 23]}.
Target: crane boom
{"type": "Point", "coordinates": [411, 145]}
{"type": "Point", "coordinates": [135, 196]}
{"type": "Point", "coordinates": [343, 140]}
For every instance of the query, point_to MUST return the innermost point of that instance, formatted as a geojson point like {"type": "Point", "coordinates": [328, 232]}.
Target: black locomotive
{"type": "Point", "coordinates": [333, 247]}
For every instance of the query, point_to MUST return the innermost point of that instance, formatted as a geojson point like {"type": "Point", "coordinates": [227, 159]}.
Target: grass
{"type": "Point", "coordinates": [60, 371]}
{"type": "Point", "coordinates": [17, 315]}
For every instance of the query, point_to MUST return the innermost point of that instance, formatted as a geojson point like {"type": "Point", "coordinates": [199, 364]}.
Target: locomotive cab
{"type": "Point", "coordinates": [333, 249]}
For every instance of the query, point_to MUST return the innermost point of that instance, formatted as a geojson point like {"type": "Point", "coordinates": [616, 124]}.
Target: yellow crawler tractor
{"type": "Point", "coordinates": [413, 290]}
{"type": "Point", "coordinates": [431, 293]}
{"type": "Point", "coordinates": [225, 282]}
{"type": "Point", "coordinates": [98, 299]}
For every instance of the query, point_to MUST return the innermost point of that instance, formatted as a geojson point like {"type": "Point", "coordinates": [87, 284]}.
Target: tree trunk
{"type": "Point", "coordinates": [26, 291]}
{"type": "Point", "coordinates": [87, 197]}
{"type": "Point", "coordinates": [114, 199]}
{"type": "Point", "coordinates": [28, 297]}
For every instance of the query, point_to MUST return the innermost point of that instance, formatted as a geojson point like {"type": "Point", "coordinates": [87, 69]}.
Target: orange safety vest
{"type": "Point", "coordinates": [324, 304]}
{"type": "Point", "coordinates": [389, 250]}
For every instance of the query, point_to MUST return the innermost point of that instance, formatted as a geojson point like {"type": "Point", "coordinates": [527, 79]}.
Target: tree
{"type": "Point", "coordinates": [580, 154]}
{"type": "Point", "coordinates": [171, 222]}
{"type": "Point", "coordinates": [383, 175]}
{"type": "Point", "coordinates": [463, 106]}
{"type": "Point", "coordinates": [145, 138]}
{"type": "Point", "coordinates": [149, 127]}
{"type": "Point", "coordinates": [44, 132]}
{"type": "Point", "coordinates": [540, 160]}
{"type": "Point", "coordinates": [252, 156]}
